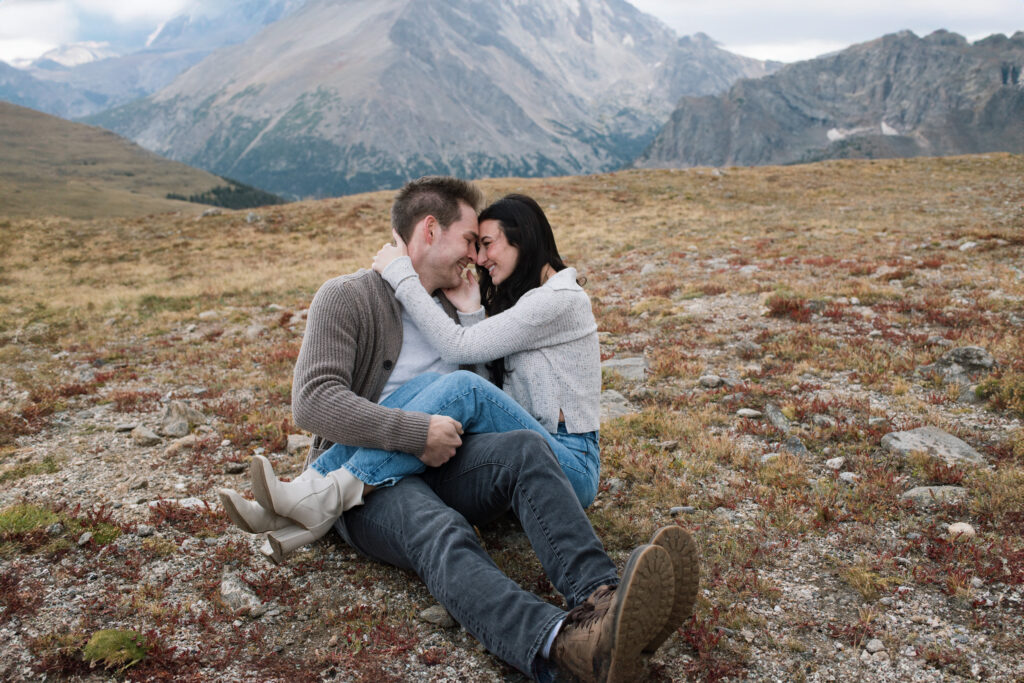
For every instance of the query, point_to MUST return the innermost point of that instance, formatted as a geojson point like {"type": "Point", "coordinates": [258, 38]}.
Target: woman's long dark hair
{"type": "Point", "coordinates": [527, 229]}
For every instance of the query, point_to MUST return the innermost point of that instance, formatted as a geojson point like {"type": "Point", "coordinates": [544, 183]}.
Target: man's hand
{"type": "Point", "coordinates": [443, 437]}
{"type": "Point", "coordinates": [389, 252]}
{"type": "Point", "coordinates": [466, 296]}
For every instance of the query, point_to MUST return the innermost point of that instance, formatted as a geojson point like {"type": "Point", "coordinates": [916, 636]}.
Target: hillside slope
{"type": "Point", "coordinates": [51, 166]}
{"type": "Point", "coordinates": [897, 96]}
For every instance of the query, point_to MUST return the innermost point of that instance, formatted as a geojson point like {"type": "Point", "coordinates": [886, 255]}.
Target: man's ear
{"type": "Point", "coordinates": [430, 225]}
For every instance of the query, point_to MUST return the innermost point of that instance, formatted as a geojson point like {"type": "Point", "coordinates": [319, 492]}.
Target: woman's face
{"type": "Point", "coordinates": [495, 253]}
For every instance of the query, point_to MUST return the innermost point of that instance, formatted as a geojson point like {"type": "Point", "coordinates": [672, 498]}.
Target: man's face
{"type": "Point", "coordinates": [447, 252]}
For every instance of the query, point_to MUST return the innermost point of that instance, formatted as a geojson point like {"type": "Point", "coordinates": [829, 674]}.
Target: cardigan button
{"type": "Point", "coordinates": [388, 365]}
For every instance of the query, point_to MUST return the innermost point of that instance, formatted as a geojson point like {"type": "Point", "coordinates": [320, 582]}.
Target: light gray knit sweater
{"type": "Point", "coordinates": [548, 339]}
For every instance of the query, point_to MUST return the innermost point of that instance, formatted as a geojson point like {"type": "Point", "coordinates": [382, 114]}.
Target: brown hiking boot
{"type": "Point", "coordinates": [600, 641]}
{"type": "Point", "coordinates": [686, 569]}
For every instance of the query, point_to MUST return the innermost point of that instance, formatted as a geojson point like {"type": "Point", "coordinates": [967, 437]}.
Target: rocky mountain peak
{"type": "Point", "coordinates": [345, 96]}
{"type": "Point", "coordinates": [898, 95]}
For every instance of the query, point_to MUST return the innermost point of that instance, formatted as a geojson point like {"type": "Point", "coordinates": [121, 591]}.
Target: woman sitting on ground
{"type": "Point", "coordinates": [540, 343]}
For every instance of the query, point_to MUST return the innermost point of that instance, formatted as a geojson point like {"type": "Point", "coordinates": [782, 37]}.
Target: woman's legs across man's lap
{"type": "Point", "coordinates": [481, 408]}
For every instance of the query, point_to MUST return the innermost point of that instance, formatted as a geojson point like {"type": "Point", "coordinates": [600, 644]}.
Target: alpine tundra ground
{"type": "Point", "coordinates": [764, 330]}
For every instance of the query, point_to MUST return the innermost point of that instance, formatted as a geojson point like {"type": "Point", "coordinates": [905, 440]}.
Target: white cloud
{"type": "Point", "coordinates": [123, 11]}
{"type": "Point", "coordinates": [787, 52]}
{"type": "Point", "coordinates": [30, 28]}
{"type": "Point", "coordinates": [778, 29]}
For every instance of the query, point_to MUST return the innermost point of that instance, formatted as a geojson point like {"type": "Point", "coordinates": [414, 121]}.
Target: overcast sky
{"type": "Point", "coordinates": [786, 30]}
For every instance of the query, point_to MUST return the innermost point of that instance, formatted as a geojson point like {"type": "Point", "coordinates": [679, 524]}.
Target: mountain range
{"type": "Point", "coordinates": [897, 96]}
{"type": "Point", "coordinates": [341, 97]}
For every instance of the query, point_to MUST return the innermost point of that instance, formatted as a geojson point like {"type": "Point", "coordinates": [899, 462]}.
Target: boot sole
{"type": "Point", "coordinates": [642, 605]}
{"type": "Point", "coordinates": [686, 568]}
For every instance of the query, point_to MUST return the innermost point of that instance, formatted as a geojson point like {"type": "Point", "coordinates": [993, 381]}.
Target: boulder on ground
{"type": "Point", "coordinates": [614, 404]}
{"type": "Point", "coordinates": [631, 369]}
{"type": "Point", "coordinates": [931, 496]}
{"type": "Point", "coordinates": [934, 442]}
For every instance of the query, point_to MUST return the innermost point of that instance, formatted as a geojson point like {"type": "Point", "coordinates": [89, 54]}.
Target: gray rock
{"type": "Point", "coordinates": [825, 421]}
{"type": "Point", "coordinates": [614, 404]}
{"type": "Point", "coordinates": [126, 426]}
{"type": "Point", "coordinates": [711, 381]}
{"type": "Point", "coordinates": [850, 478]}
{"type": "Point", "coordinates": [632, 369]}
{"type": "Point", "coordinates": [238, 597]}
{"type": "Point", "coordinates": [180, 411]}
{"type": "Point", "coordinates": [190, 502]}
{"type": "Point", "coordinates": [648, 269]}
{"type": "Point", "coordinates": [934, 442]}
{"type": "Point", "coordinates": [235, 468]}
{"type": "Point", "coordinates": [931, 496]}
{"type": "Point", "coordinates": [85, 538]}
{"type": "Point", "coordinates": [776, 417]}
{"type": "Point", "coordinates": [682, 510]}
{"type": "Point", "coordinates": [438, 616]}
{"type": "Point", "coordinates": [971, 357]}
{"type": "Point", "coordinates": [878, 422]}
{"type": "Point", "coordinates": [961, 366]}
{"type": "Point", "coordinates": [255, 331]}
{"type": "Point", "coordinates": [768, 457]}
{"type": "Point", "coordinates": [969, 395]}
{"type": "Point", "coordinates": [211, 212]}
{"type": "Point", "coordinates": [55, 529]}
{"type": "Point", "coordinates": [748, 348]}
{"type": "Point", "coordinates": [298, 443]}
{"type": "Point", "coordinates": [748, 413]}
{"type": "Point", "coordinates": [794, 446]}
{"type": "Point", "coordinates": [835, 463]}
{"type": "Point", "coordinates": [875, 645]}
{"type": "Point", "coordinates": [615, 485]}
{"type": "Point", "coordinates": [144, 530]}
{"type": "Point", "coordinates": [668, 446]}
{"type": "Point", "coordinates": [143, 436]}
{"type": "Point", "coordinates": [174, 428]}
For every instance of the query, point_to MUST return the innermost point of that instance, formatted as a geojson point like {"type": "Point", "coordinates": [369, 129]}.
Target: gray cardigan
{"type": "Point", "coordinates": [353, 338]}
{"type": "Point", "coordinates": [548, 339]}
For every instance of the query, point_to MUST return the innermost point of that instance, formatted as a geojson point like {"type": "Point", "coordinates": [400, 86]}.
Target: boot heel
{"type": "Point", "coordinates": [285, 541]}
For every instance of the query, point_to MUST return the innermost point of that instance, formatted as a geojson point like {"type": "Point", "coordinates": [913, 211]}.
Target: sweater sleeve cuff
{"type": "Point", "coordinates": [398, 270]}
{"type": "Point", "coordinates": [470, 319]}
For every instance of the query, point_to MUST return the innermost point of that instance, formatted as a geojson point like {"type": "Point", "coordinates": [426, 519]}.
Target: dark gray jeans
{"type": "Point", "coordinates": [425, 523]}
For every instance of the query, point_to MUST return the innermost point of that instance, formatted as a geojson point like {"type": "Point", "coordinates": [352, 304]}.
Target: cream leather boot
{"type": "Point", "coordinates": [311, 500]}
{"type": "Point", "coordinates": [248, 515]}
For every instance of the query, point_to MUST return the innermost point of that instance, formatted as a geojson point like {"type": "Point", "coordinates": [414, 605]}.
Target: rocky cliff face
{"type": "Point", "coordinates": [897, 96]}
{"type": "Point", "coordinates": [358, 95]}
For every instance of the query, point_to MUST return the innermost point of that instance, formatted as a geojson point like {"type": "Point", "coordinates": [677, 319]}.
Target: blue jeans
{"type": "Point", "coordinates": [482, 408]}
{"type": "Point", "coordinates": [425, 524]}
